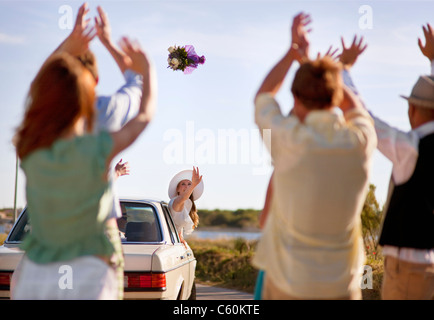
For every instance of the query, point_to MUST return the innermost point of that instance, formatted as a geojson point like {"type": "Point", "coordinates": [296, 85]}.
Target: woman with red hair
{"type": "Point", "coordinates": [69, 195]}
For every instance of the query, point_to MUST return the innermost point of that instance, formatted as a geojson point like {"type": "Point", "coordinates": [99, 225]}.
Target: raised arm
{"type": "Point", "coordinates": [348, 58]}
{"type": "Point", "coordinates": [350, 101]}
{"type": "Point", "coordinates": [349, 55]}
{"type": "Point", "coordinates": [428, 49]}
{"type": "Point", "coordinates": [140, 64]}
{"type": "Point", "coordinates": [297, 51]}
{"type": "Point", "coordinates": [178, 203]}
{"type": "Point", "coordinates": [77, 43]}
{"type": "Point", "coordinates": [103, 31]}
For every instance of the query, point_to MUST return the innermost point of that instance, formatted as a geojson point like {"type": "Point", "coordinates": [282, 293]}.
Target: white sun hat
{"type": "Point", "coordinates": [184, 175]}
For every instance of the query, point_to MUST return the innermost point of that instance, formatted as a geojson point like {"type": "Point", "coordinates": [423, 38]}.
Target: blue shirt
{"type": "Point", "coordinates": [116, 110]}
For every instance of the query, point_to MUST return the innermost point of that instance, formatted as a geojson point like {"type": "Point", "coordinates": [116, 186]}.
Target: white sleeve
{"type": "Point", "coordinates": [400, 147]}
{"type": "Point", "coordinates": [116, 110]}
{"type": "Point", "coordinates": [176, 216]}
{"type": "Point", "coordinates": [182, 218]}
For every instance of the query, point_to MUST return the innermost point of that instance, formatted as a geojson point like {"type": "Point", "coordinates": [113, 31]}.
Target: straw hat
{"type": "Point", "coordinates": [422, 94]}
{"type": "Point", "coordinates": [184, 175]}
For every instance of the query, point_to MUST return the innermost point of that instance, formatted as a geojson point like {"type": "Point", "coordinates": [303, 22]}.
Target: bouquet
{"type": "Point", "coordinates": [184, 59]}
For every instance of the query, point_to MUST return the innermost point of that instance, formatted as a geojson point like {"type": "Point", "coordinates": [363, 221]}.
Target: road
{"type": "Point", "coordinates": [204, 292]}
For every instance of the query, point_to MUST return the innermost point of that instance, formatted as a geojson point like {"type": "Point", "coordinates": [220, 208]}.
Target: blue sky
{"type": "Point", "coordinates": [206, 118]}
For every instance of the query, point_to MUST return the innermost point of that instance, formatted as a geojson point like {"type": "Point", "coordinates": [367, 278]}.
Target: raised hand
{"type": "Point", "coordinates": [428, 49]}
{"type": "Point", "coordinates": [299, 41]}
{"type": "Point", "coordinates": [349, 55]}
{"type": "Point", "coordinates": [122, 169]}
{"type": "Point", "coordinates": [78, 41]}
{"type": "Point", "coordinates": [136, 58]}
{"type": "Point", "coordinates": [330, 53]}
{"type": "Point", "coordinates": [196, 178]}
{"type": "Point", "coordinates": [102, 25]}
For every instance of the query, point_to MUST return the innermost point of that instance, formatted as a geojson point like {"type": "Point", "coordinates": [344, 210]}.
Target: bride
{"type": "Point", "coordinates": [185, 188]}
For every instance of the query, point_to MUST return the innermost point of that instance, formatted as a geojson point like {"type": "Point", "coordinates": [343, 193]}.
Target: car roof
{"type": "Point", "coordinates": [142, 199]}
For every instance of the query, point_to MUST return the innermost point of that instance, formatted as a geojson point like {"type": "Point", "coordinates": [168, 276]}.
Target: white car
{"type": "Point", "coordinates": [157, 264]}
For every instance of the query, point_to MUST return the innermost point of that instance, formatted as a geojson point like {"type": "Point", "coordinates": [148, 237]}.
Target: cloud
{"type": "Point", "coordinates": [11, 39]}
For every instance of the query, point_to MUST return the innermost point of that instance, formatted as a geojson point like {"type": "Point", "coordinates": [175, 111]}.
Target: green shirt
{"type": "Point", "coordinates": [68, 199]}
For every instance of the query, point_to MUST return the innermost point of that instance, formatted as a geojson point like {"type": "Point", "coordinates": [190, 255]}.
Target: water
{"type": "Point", "coordinates": [224, 234]}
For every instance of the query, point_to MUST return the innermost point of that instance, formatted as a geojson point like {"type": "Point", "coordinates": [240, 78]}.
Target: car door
{"type": "Point", "coordinates": [185, 254]}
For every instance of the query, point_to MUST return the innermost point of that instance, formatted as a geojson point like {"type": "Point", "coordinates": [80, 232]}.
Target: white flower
{"type": "Point", "coordinates": [175, 62]}
{"type": "Point", "coordinates": [171, 49]}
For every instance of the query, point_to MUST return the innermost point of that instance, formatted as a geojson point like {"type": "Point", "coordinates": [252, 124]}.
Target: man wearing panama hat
{"type": "Point", "coordinates": [185, 188]}
{"type": "Point", "coordinates": [407, 233]}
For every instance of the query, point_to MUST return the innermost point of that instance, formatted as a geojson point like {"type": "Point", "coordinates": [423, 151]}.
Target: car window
{"type": "Point", "coordinates": [143, 227]}
{"type": "Point", "coordinates": [21, 228]}
{"type": "Point", "coordinates": [173, 234]}
{"type": "Point", "coordinates": [139, 223]}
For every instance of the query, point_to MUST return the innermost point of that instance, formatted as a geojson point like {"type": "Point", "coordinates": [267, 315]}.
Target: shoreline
{"type": "Point", "coordinates": [228, 229]}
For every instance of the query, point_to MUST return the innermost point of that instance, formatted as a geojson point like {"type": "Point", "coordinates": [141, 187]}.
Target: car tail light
{"type": "Point", "coordinates": [5, 279]}
{"type": "Point", "coordinates": [145, 280]}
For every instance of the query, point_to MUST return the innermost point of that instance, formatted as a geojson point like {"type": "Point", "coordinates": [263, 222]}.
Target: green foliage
{"type": "Point", "coordinates": [3, 237]}
{"type": "Point", "coordinates": [371, 221]}
{"type": "Point", "coordinates": [241, 218]}
{"type": "Point", "coordinates": [225, 263]}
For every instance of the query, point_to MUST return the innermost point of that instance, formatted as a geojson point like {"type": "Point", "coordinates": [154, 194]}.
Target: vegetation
{"type": "Point", "coordinates": [371, 221]}
{"type": "Point", "coordinates": [3, 237]}
{"type": "Point", "coordinates": [226, 263]}
{"type": "Point", "coordinates": [241, 218]}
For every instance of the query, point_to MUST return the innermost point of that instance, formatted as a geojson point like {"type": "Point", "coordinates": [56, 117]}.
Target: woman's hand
{"type": "Point", "coordinates": [196, 178]}
{"type": "Point", "coordinates": [299, 41]}
{"type": "Point", "coordinates": [136, 59]}
{"type": "Point", "coordinates": [102, 25]}
{"type": "Point", "coordinates": [77, 42]}
{"type": "Point", "coordinates": [181, 238]}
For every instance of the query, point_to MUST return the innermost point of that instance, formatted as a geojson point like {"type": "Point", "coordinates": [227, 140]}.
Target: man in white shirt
{"type": "Point", "coordinates": [407, 233]}
{"type": "Point", "coordinates": [312, 247]}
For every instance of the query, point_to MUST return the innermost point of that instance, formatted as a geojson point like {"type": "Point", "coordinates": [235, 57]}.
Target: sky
{"type": "Point", "coordinates": [206, 119]}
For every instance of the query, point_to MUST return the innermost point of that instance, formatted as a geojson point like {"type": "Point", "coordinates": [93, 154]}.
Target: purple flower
{"type": "Point", "coordinates": [194, 59]}
{"type": "Point", "coordinates": [191, 54]}
{"type": "Point", "coordinates": [184, 58]}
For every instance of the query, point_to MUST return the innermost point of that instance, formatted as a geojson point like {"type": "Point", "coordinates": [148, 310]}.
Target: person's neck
{"type": "Point", "coordinates": [76, 130]}
{"type": "Point", "coordinates": [419, 122]}
{"type": "Point", "coordinates": [302, 112]}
